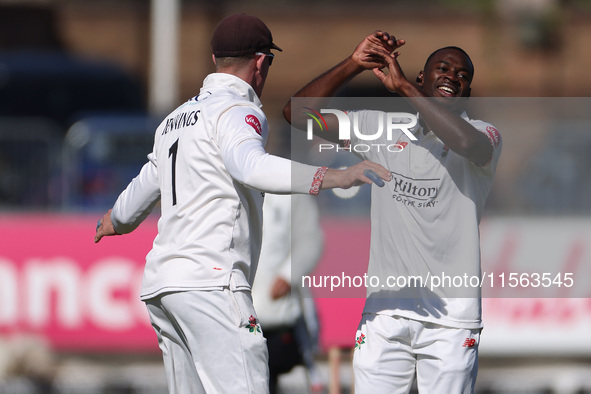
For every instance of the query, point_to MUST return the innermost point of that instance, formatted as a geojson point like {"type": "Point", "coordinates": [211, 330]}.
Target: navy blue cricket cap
{"type": "Point", "coordinates": [240, 35]}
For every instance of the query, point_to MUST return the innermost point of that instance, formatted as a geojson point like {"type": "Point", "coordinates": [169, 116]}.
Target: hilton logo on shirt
{"type": "Point", "coordinates": [416, 189]}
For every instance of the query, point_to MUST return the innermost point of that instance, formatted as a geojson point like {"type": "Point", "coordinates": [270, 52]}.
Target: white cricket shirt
{"type": "Point", "coordinates": [424, 225]}
{"type": "Point", "coordinates": [208, 167]}
{"type": "Point", "coordinates": [292, 247]}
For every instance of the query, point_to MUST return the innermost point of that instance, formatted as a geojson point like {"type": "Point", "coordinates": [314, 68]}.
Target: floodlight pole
{"type": "Point", "coordinates": [164, 50]}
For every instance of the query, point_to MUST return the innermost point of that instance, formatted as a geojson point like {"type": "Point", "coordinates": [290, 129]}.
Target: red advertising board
{"type": "Point", "coordinates": [81, 296]}
{"type": "Point", "coordinates": [57, 283]}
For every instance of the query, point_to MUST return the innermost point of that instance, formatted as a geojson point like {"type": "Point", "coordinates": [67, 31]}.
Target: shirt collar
{"type": "Point", "coordinates": [234, 83]}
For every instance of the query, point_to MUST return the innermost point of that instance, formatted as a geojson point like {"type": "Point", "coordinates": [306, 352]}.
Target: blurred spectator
{"type": "Point", "coordinates": [292, 246]}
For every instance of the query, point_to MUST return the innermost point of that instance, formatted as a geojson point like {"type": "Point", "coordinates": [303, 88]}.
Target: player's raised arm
{"type": "Point", "coordinates": [249, 163]}
{"type": "Point", "coordinates": [328, 84]}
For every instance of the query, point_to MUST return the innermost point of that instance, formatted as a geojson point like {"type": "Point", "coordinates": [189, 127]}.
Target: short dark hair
{"type": "Point", "coordinates": [230, 61]}
{"type": "Point", "coordinates": [454, 48]}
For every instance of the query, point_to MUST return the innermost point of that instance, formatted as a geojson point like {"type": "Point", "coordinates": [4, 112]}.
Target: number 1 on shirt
{"type": "Point", "coordinates": [172, 152]}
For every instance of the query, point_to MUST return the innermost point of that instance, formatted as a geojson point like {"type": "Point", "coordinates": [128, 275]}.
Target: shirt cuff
{"type": "Point", "coordinates": [317, 181]}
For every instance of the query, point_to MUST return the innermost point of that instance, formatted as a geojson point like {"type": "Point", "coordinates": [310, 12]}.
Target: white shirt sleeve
{"type": "Point", "coordinates": [244, 156]}
{"type": "Point", "coordinates": [136, 202]}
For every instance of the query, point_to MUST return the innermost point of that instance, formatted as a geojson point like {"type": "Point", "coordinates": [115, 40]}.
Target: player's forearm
{"type": "Point", "coordinates": [136, 202]}
{"type": "Point", "coordinates": [317, 93]}
{"type": "Point", "coordinates": [333, 179]}
{"type": "Point", "coordinates": [459, 135]}
{"type": "Point", "coordinates": [355, 175]}
{"type": "Point", "coordinates": [123, 224]}
{"type": "Point", "coordinates": [250, 164]}
{"type": "Point", "coordinates": [327, 84]}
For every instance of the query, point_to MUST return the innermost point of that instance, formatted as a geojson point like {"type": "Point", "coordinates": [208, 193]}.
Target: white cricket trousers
{"type": "Point", "coordinates": [211, 342]}
{"type": "Point", "coordinates": [390, 349]}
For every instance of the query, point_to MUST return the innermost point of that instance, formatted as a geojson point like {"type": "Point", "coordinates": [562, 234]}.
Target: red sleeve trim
{"type": "Point", "coordinates": [317, 181]}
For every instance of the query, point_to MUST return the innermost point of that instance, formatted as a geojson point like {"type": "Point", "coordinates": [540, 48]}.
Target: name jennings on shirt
{"type": "Point", "coordinates": [182, 119]}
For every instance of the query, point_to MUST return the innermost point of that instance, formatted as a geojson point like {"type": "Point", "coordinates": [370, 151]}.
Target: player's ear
{"type": "Point", "coordinates": [260, 59]}
{"type": "Point", "coordinates": [213, 58]}
{"type": "Point", "coordinates": [420, 78]}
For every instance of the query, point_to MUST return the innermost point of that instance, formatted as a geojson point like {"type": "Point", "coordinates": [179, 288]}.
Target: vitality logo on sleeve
{"type": "Point", "coordinates": [254, 122]}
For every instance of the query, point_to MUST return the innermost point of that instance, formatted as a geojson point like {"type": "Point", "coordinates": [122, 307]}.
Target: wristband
{"type": "Point", "coordinates": [318, 178]}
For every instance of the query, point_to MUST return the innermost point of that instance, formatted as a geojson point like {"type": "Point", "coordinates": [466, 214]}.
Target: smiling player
{"type": "Point", "coordinates": [424, 222]}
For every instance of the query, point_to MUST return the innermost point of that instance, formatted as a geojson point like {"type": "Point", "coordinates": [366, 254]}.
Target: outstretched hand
{"type": "Point", "coordinates": [104, 227]}
{"type": "Point", "coordinates": [354, 175]}
{"type": "Point", "coordinates": [369, 54]}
